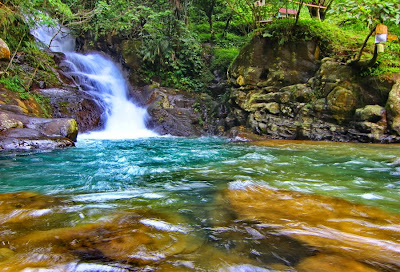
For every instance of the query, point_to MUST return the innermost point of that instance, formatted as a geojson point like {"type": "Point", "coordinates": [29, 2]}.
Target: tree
{"type": "Point", "coordinates": [315, 9]}
{"type": "Point", "coordinates": [372, 13]}
{"type": "Point", "coordinates": [208, 7]}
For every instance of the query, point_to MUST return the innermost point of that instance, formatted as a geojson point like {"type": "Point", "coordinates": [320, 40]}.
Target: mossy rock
{"type": "Point", "coordinates": [341, 104]}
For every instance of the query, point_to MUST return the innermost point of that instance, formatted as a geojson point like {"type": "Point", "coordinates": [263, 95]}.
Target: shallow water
{"type": "Point", "coordinates": [172, 194]}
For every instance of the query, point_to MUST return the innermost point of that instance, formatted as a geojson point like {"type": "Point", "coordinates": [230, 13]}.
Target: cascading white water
{"type": "Point", "coordinates": [102, 78]}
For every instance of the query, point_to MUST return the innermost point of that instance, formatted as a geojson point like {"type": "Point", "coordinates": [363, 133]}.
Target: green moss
{"type": "Point", "coordinates": [223, 58]}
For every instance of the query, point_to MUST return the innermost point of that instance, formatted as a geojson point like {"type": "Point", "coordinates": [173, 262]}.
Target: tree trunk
{"type": "Point", "coordinates": [210, 22]}
{"type": "Point", "coordinates": [227, 25]}
{"type": "Point", "coordinates": [372, 61]}
{"type": "Point", "coordinates": [298, 12]}
{"type": "Point", "coordinates": [365, 44]}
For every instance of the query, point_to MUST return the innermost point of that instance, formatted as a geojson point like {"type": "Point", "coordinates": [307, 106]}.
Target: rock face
{"type": "Point", "coordinates": [393, 105]}
{"type": "Point", "coordinates": [72, 103]}
{"type": "Point", "coordinates": [4, 51]}
{"type": "Point", "coordinates": [180, 113]}
{"type": "Point", "coordinates": [265, 62]}
{"type": "Point", "coordinates": [19, 131]}
{"type": "Point", "coordinates": [284, 92]}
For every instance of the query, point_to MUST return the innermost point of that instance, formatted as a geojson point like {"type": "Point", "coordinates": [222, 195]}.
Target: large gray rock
{"type": "Point", "coordinates": [75, 104]}
{"type": "Point", "coordinates": [18, 131]}
{"type": "Point", "coordinates": [29, 144]}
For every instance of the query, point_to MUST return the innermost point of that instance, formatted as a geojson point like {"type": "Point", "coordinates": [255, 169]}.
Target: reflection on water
{"type": "Point", "coordinates": [173, 204]}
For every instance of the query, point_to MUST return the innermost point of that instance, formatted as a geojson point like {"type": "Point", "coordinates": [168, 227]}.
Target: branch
{"type": "Point", "coordinates": [15, 53]}
{"type": "Point", "coordinates": [238, 13]}
{"type": "Point", "coordinates": [364, 45]}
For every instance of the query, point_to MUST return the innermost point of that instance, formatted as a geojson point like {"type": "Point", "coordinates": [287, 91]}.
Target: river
{"type": "Point", "coordinates": [125, 199]}
{"type": "Point", "coordinates": [201, 204]}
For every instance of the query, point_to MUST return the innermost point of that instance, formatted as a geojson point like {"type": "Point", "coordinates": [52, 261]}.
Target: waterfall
{"type": "Point", "coordinates": [99, 76]}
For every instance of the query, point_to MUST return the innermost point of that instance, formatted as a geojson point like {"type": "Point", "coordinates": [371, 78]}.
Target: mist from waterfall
{"type": "Point", "coordinates": [99, 76]}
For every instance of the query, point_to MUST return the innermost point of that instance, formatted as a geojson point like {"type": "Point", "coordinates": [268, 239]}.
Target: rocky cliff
{"type": "Point", "coordinates": [286, 91]}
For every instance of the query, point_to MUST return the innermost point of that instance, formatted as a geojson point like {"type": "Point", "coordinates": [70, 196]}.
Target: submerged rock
{"type": "Point", "coordinates": [332, 263]}
{"type": "Point", "coordinates": [330, 225]}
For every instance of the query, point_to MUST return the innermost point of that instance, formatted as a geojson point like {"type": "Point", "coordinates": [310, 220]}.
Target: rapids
{"type": "Point", "coordinates": [119, 201]}
{"type": "Point", "coordinates": [206, 204]}
{"type": "Point", "coordinates": [96, 74]}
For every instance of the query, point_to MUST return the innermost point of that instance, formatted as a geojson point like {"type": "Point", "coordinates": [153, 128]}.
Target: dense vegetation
{"type": "Point", "coordinates": [184, 44]}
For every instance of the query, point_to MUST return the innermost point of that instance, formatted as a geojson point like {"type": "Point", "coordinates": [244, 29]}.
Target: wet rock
{"type": "Point", "coordinates": [241, 134]}
{"type": "Point", "coordinates": [75, 104]}
{"type": "Point", "coordinates": [330, 225]}
{"type": "Point", "coordinates": [46, 143]}
{"type": "Point", "coordinates": [180, 113]}
{"type": "Point", "coordinates": [4, 51]}
{"type": "Point", "coordinates": [19, 131]}
{"type": "Point", "coordinates": [127, 239]}
{"type": "Point", "coordinates": [6, 253]}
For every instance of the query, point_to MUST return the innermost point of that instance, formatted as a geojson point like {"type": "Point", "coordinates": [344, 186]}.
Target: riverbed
{"type": "Point", "coordinates": [201, 204]}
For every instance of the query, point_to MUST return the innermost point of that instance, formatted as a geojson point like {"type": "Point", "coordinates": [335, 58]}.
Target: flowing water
{"type": "Point", "coordinates": [129, 203]}
{"type": "Point", "coordinates": [97, 75]}
{"type": "Point", "coordinates": [181, 198]}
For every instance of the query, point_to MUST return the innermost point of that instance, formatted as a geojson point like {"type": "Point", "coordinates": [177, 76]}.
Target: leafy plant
{"type": "Point", "coordinates": [15, 84]}
{"type": "Point", "coordinates": [223, 57]}
{"type": "Point", "coordinates": [371, 13]}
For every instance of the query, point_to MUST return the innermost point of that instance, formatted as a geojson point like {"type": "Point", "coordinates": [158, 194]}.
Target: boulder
{"type": "Point", "coordinates": [7, 122]}
{"type": "Point", "coordinates": [265, 62]}
{"type": "Point", "coordinates": [393, 106]}
{"type": "Point", "coordinates": [64, 127]}
{"type": "Point", "coordinates": [75, 104]}
{"type": "Point", "coordinates": [370, 113]}
{"type": "Point", "coordinates": [4, 51]}
{"type": "Point", "coordinates": [28, 144]}
{"type": "Point", "coordinates": [19, 131]}
{"type": "Point", "coordinates": [341, 103]}
{"type": "Point", "coordinates": [180, 113]}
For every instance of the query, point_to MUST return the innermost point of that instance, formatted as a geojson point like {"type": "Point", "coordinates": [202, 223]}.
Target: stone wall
{"type": "Point", "coordinates": [286, 92]}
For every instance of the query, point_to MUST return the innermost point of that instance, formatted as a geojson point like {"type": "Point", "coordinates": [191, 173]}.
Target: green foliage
{"type": "Point", "coordinates": [223, 57]}
{"type": "Point", "coordinates": [15, 84]}
{"type": "Point", "coordinates": [171, 53]}
{"type": "Point", "coordinates": [305, 30]}
{"type": "Point", "coordinates": [388, 63]}
{"type": "Point", "coordinates": [44, 103]}
{"type": "Point", "coordinates": [371, 12]}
